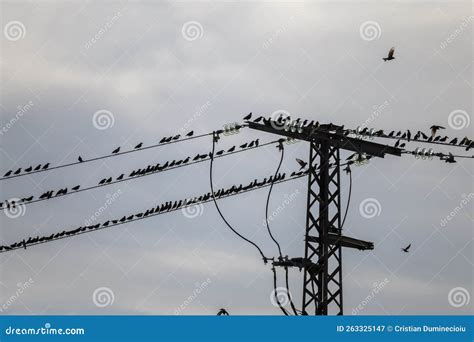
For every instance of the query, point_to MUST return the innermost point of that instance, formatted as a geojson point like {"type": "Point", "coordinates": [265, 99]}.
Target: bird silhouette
{"type": "Point", "coordinates": [163, 140]}
{"type": "Point", "coordinates": [450, 159]}
{"type": "Point", "coordinates": [80, 159]}
{"type": "Point", "coordinates": [391, 133]}
{"type": "Point", "coordinates": [408, 135]}
{"type": "Point", "coordinates": [29, 169]}
{"type": "Point", "coordinates": [423, 135]}
{"type": "Point", "coordinates": [27, 199]}
{"type": "Point", "coordinates": [406, 249]}
{"type": "Point", "coordinates": [243, 145]}
{"type": "Point", "coordinates": [109, 180]}
{"type": "Point", "coordinates": [8, 173]}
{"type": "Point", "coordinates": [120, 177]}
{"type": "Point", "coordinates": [117, 150]}
{"type": "Point", "coordinates": [454, 141]}
{"type": "Point", "coordinates": [435, 129]}
{"type": "Point", "coordinates": [222, 312]}
{"type": "Point", "coordinates": [302, 163]}
{"type": "Point", "coordinates": [17, 171]}
{"type": "Point", "coordinates": [218, 153]}
{"type": "Point", "coordinates": [232, 149]}
{"type": "Point", "coordinates": [45, 167]}
{"type": "Point", "coordinates": [37, 167]}
{"type": "Point", "coordinates": [75, 188]}
{"type": "Point", "coordinates": [176, 137]}
{"type": "Point", "coordinates": [390, 55]}
{"type": "Point", "coordinates": [102, 181]}
{"type": "Point", "coordinates": [139, 145]}
{"type": "Point", "coordinates": [190, 134]}
{"type": "Point", "coordinates": [443, 139]}
{"type": "Point", "coordinates": [247, 117]}
{"type": "Point", "coordinates": [397, 143]}
{"type": "Point", "coordinates": [258, 119]}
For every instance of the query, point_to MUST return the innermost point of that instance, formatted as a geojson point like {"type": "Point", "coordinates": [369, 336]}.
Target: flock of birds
{"type": "Point", "coordinates": [149, 169]}
{"type": "Point", "coordinates": [159, 209]}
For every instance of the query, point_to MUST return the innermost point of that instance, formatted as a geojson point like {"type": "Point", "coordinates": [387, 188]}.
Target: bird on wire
{"type": "Point", "coordinates": [117, 150]}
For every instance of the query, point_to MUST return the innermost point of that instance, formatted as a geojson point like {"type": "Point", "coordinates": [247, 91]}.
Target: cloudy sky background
{"type": "Point", "coordinates": [310, 59]}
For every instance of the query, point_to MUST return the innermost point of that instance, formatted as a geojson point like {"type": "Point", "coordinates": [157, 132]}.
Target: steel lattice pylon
{"type": "Point", "coordinates": [322, 286]}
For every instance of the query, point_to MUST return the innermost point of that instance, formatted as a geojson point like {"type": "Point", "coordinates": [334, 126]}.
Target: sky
{"type": "Point", "coordinates": [81, 78]}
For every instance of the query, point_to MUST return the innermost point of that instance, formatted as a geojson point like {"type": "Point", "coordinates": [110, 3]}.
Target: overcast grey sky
{"type": "Point", "coordinates": [163, 67]}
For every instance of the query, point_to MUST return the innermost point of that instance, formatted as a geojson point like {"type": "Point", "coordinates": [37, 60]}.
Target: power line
{"type": "Point", "coordinates": [115, 154]}
{"type": "Point", "coordinates": [8, 204]}
{"type": "Point", "coordinates": [222, 193]}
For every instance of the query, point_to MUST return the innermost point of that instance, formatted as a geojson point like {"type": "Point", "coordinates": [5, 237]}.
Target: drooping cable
{"type": "Point", "coordinates": [275, 293]}
{"type": "Point", "coordinates": [214, 138]}
{"type": "Point", "coordinates": [348, 196]}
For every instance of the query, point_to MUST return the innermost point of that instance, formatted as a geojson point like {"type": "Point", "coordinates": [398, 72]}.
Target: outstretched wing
{"type": "Point", "coordinates": [391, 52]}
{"type": "Point", "coordinates": [408, 247]}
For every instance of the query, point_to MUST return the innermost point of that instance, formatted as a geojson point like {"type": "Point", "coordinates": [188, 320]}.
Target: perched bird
{"type": "Point", "coordinates": [232, 149]}
{"type": "Point", "coordinates": [29, 169]}
{"type": "Point", "coordinates": [176, 137]}
{"type": "Point", "coordinates": [450, 159]}
{"type": "Point", "coordinates": [80, 159]}
{"type": "Point", "coordinates": [37, 167]}
{"type": "Point", "coordinates": [435, 129]}
{"type": "Point", "coordinates": [109, 180]}
{"type": "Point", "coordinates": [190, 134]}
{"type": "Point", "coordinates": [258, 119]}
{"type": "Point", "coordinates": [102, 181]}
{"type": "Point", "coordinates": [222, 312]}
{"type": "Point", "coordinates": [406, 249]}
{"type": "Point", "coordinates": [397, 143]}
{"type": "Point", "coordinates": [408, 135]}
{"type": "Point", "coordinates": [45, 166]}
{"type": "Point", "coordinates": [390, 55]}
{"type": "Point", "coordinates": [120, 177]}
{"type": "Point", "coordinates": [243, 145]}
{"type": "Point", "coordinates": [423, 135]}
{"type": "Point", "coordinates": [163, 140]}
{"type": "Point", "coordinates": [347, 169]}
{"type": "Point", "coordinates": [391, 133]}
{"type": "Point", "coordinates": [247, 117]}
{"type": "Point", "coordinates": [8, 173]}
{"type": "Point", "coordinates": [75, 188]}
{"type": "Point", "coordinates": [454, 141]}
{"type": "Point", "coordinates": [302, 163]}
{"type": "Point", "coordinates": [402, 145]}
{"type": "Point", "coordinates": [27, 199]}
{"type": "Point", "coordinates": [139, 145]}
{"type": "Point", "coordinates": [17, 171]}
{"type": "Point", "coordinates": [443, 139]}
{"type": "Point", "coordinates": [117, 150]}
{"type": "Point", "coordinates": [218, 153]}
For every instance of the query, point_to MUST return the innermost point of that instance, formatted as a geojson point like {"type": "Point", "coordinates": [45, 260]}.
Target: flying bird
{"type": "Point", "coordinates": [406, 249]}
{"type": "Point", "coordinates": [435, 129]}
{"type": "Point", "coordinates": [117, 150]}
{"type": "Point", "coordinates": [222, 312]}
{"type": "Point", "coordinates": [390, 55]}
{"type": "Point", "coordinates": [247, 117]}
{"type": "Point", "coordinates": [139, 145]}
{"type": "Point", "coordinates": [190, 134]}
{"type": "Point", "coordinates": [302, 163]}
{"type": "Point", "coordinates": [80, 159]}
